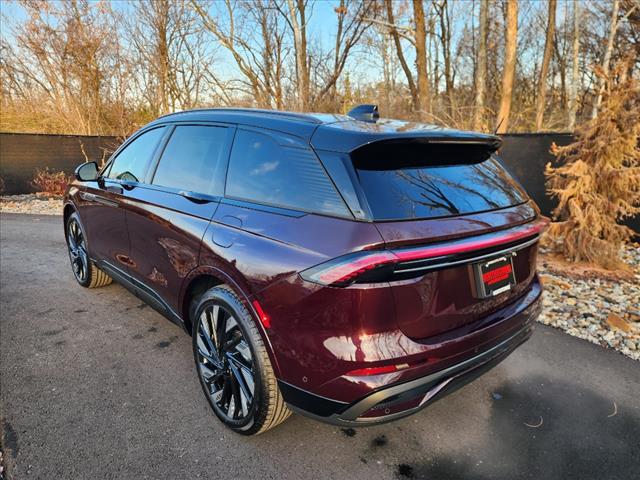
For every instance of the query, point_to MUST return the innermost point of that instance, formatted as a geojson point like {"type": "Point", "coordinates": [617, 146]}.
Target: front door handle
{"type": "Point", "coordinates": [197, 197]}
{"type": "Point", "coordinates": [114, 189]}
{"type": "Point", "coordinates": [88, 197]}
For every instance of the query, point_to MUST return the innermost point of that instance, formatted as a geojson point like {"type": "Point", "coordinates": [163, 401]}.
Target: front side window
{"type": "Point", "coordinates": [262, 171]}
{"type": "Point", "coordinates": [131, 163]}
{"type": "Point", "coordinates": [191, 159]}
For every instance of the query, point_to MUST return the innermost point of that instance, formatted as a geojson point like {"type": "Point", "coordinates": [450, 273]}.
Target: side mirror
{"type": "Point", "coordinates": [87, 172]}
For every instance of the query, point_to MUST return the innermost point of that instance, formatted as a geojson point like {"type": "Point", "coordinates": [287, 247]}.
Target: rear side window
{"type": "Point", "coordinates": [402, 192]}
{"type": "Point", "coordinates": [191, 159]}
{"type": "Point", "coordinates": [131, 163]}
{"type": "Point", "coordinates": [263, 171]}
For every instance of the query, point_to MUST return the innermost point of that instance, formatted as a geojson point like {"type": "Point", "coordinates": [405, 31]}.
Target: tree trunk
{"type": "Point", "coordinates": [445, 28]}
{"type": "Point", "coordinates": [607, 57]}
{"type": "Point", "coordinates": [511, 43]}
{"type": "Point", "coordinates": [573, 87]}
{"type": "Point", "coordinates": [298, 23]}
{"type": "Point", "coordinates": [421, 58]}
{"type": "Point", "coordinates": [546, 59]}
{"type": "Point", "coordinates": [403, 62]}
{"type": "Point", "coordinates": [386, 75]}
{"type": "Point", "coordinates": [481, 67]}
{"type": "Point", "coordinates": [162, 17]}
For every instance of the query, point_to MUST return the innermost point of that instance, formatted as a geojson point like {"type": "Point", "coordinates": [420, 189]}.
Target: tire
{"type": "Point", "coordinates": [84, 270]}
{"type": "Point", "coordinates": [230, 365]}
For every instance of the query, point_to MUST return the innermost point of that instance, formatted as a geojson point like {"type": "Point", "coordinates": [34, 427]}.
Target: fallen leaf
{"type": "Point", "coordinates": [616, 322]}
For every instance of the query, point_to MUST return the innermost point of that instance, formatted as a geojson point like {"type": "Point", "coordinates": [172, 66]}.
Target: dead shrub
{"type": "Point", "coordinates": [597, 184]}
{"type": "Point", "coordinates": [50, 182]}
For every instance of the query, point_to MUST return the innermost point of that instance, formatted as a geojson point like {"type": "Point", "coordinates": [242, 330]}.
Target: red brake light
{"type": "Point", "coordinates": [342, 271]}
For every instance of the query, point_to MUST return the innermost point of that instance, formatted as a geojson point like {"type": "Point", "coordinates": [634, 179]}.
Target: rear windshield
{"type": "Point", "coordinates": [406, 192]}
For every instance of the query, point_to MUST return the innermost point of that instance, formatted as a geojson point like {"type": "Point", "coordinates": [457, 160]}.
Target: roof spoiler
{"type": "Point", "coordinates": [365, 113]}
{"type": "Point", "coordinates": [420, 151]}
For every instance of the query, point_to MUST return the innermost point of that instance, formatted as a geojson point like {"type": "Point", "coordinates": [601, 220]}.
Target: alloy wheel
{"type": "Point", "coordinates": [77, 251]}
{"type": "Point", "coordinates": [225, 363]}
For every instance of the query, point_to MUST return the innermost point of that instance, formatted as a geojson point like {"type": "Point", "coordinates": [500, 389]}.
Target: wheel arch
{"type": "Point", "coordinates": [202, 279]}
{"type": "Point", "coordinates": [69, 208]}
{"type": "Point", "coordinates": [196, 286]}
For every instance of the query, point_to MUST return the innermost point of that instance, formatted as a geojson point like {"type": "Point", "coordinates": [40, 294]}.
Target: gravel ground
{"type": "Point", "coordinates": [590, 304]}
{"type": "Point", "coordinates": [601, 308]}
{"type": "Point", "coordinates": [35, 204]}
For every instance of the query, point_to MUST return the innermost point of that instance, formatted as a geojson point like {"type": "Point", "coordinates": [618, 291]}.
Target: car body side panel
{"type": "Point", "coordinates": [320, 236]}
{"type": "Point", "coordinates": [103, 218]}
{"type": "Point", "coordinates": [165, 230]}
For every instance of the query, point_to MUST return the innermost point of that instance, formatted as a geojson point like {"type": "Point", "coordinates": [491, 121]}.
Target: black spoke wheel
{"type": "Point", "coordinates": [77, 250]}
{"type": "Point", "coordinates": [225, 363]}
{"type": "Point", "coordinates": [233, 366]}
{"type": "Point", "coordinates": [84, 270]}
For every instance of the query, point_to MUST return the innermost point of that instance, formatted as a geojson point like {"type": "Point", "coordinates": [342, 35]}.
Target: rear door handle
{"type": "Point", "coordinates": [197, 197]}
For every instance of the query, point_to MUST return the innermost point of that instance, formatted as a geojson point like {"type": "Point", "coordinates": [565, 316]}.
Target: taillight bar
{"type": "Point", "coordinates": [473, 244]}
{"type": "Point", "coordinates": [342, 271]}
{"type": "Point", "coordinates": [371, 265]}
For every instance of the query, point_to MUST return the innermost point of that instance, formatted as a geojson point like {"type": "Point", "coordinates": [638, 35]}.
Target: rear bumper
{"type": "Point", "coordinates": [400, 400]}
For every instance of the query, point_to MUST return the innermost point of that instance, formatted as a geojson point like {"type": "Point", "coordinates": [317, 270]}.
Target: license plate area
{"type": "Point", "coordinates": [494, 276]}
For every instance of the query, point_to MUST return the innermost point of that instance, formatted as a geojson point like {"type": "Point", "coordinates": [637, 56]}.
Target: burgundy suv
{"type": "Point", "coordinates": [349, 268]}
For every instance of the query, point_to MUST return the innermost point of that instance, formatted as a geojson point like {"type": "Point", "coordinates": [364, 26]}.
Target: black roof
{"type": "Point", "coordinates": [331, 131]}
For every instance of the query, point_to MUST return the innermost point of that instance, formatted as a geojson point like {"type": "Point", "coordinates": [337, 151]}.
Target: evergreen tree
{"type": "Point", "coordinates": [597, 183]}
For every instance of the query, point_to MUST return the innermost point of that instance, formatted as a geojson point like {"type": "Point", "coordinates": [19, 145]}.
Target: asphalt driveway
{"type": "Point", "coordinates": [94, 384]}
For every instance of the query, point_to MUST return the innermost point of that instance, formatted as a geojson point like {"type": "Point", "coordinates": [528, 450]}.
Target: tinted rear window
{"type": "Point", "coordinates": [263, 171]}
{"type": "Point", "coordinates": [413, 192]}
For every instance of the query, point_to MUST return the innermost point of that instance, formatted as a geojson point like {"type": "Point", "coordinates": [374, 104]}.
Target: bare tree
{"type": "Point", "coordinates": [254, 37]}
{"type": "Point", "coordinates": [417, 37]}
{"type": "Point", "coordinates": [395, 32]}
{"type": "Point", "coordinates": [65, 64]}
{"type": "Point", "coordinates": [481, 67]}
{"type": "Point", "coordinates": [297, 20]}
{"type": "Point", "coordinates": [544, 70]}
{"type": "Point", "coordinates": [509, 68]}
{"type": "Point", "coordinates": [354, 18]}
{"type": "Point", "coordinates": [575, 65]}
{"type": "Point", "coordinates": [421, 57]}
{"type": "Point", "coordinates": [606, 61]}
{"type": "Point", "coordinates": [87, 66]}
{"type": "Point", "coordinates": [442, 11]}
{"type": "Point", "coordinates": [172, 58]}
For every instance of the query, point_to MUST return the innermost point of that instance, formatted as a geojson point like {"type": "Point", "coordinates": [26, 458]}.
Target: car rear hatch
{"type": "Point", "coordinates": [463, 234]}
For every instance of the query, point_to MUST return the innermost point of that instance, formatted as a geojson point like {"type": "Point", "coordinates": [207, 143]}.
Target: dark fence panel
{"type": "Point", "coordinates": [22, 154]}
{"type": "Point", "coordinates": [525, 155]}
